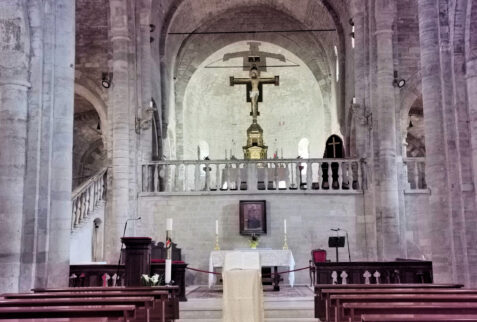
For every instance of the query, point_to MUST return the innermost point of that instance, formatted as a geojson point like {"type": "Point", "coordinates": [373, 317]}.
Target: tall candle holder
{"type": "Point", "coordinates": [217, 247]}
{"type": "Point", "coordinates": [285, 245]}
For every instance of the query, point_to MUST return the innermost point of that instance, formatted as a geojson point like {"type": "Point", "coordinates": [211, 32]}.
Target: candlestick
{"type": "Point", "coordinates": [167, 279]}
{"type": "Point", "coordinates": [217, 247]}
{"type": "Point", "coordinates": [285, 245]}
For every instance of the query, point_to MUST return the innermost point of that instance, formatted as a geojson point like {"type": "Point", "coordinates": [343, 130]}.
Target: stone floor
{"type": "Point", "coordinates": [288, 305]}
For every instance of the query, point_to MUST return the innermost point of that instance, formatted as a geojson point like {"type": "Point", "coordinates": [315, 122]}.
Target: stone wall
{"type": "Point", "coordinates": [309, 219]}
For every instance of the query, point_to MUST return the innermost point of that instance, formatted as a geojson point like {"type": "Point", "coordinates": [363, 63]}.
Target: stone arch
{"type": "Point", "coordinates": [335, 12]}
{"type": "Point", "coordinates": [97, 102]}
{"type": "Point", "coordinates": [409, 95]}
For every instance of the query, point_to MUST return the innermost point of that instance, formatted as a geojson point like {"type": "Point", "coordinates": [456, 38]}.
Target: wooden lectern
{"type": "Point", "coordinates": [138, 259]}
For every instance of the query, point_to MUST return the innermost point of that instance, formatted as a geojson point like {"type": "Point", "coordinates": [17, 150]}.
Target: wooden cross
{"type": "Point", "coordinates": [334, 144]}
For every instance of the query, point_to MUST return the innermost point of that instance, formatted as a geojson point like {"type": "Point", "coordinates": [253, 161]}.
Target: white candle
{"type": "Point", "coordinates": [354, 100]}
{"type": "Point", "coordinates": [169, 224]}
{"type": "Point", "coordinates": [216, 227]}
{"type": "Point", "coordinates": [168, 271]}
{"type": "Point", "coordinates": [285, 226]}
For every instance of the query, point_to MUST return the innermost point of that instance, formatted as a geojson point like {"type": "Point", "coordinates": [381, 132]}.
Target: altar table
{"type": "Point", "coordinates": [268, 258]}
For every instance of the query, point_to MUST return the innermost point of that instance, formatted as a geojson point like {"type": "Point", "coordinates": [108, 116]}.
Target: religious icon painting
{"type": "Point", "coordinates": [253, 217]}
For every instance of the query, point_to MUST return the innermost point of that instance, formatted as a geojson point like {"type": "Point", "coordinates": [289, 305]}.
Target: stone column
{"type": "Point", "coordinates": [389, 243]}
{"type": "Point", "coordinates": [436, 175]}
{"type": "Point", "coordinates": [359, 109]}
{"type": "Point", "coordinates": [119, 100]}
{"type": "Point", "coordinates": [471, 75]}
{"type": "Point", "coordinates": [14, 84]}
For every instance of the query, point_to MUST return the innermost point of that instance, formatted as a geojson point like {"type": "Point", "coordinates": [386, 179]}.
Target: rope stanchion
{"type": "Point", "coordinates": [278, 273]}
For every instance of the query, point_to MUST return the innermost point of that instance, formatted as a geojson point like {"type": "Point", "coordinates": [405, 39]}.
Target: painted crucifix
{"type": "Point", "coordinates": [254, 88]}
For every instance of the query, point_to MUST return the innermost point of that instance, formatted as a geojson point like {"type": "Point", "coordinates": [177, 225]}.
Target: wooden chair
{"type": "Point", "coordinates": [317, 256]}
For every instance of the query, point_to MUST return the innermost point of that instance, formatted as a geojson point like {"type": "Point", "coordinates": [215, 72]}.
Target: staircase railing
{"type": "Point", "coordinates": [87, 196]}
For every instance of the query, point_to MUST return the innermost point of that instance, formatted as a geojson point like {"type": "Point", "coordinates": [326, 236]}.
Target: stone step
{"type": "Point", "coordinates": [279, 309]}
{"type": "Point", "coordinates": [266, 320]}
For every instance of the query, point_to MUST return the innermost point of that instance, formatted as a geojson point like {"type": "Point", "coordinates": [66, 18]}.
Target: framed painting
{"type": "Point", "coordinates": [253, 217]}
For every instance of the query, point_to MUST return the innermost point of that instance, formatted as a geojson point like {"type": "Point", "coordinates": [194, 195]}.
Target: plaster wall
{"type": "Point", "coordinates": [309, 219]}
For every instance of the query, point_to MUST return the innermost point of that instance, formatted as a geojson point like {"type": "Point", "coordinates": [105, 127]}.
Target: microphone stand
{"type": "Point", "coordinates": [347, 243]}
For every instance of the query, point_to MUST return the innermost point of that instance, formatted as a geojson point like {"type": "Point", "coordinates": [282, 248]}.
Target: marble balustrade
{"type": "Point", "coordinates": [212, 176]}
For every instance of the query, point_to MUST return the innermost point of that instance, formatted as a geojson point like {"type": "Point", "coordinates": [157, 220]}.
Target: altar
{"type": "Point", "coordinates": [268, 258]}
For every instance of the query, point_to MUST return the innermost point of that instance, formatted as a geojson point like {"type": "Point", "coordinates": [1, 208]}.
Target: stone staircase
{"type": "Point", "coordinates": [277, 309]}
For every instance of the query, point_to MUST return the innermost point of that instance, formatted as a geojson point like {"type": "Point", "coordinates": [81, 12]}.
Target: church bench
{"type": "Point", "coordinates": [162, 301]}
{"type": "Point", "coordinates": [326, 293]}
{"type": "Point", "coordinates": [123, 312]}
{"type": "Point", "coordinates": [337, 301]}
{"type": "Point", "coordinates": [353, 311]}
{"type": "Point", "coordinates": [417, 317]}
{"type": "Point", "coordinates": [320, 298]}
{"type": "Point", "coordinates": [143, 305]}
{"type": "Point", "coordinates": [172, 306]}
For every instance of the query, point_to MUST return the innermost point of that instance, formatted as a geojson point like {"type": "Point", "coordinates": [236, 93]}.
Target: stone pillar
{"type": "Point", "coordinates": [14, 84]}
{"type": "Point", "coordinates": [359, 109]}
{"type": "Point", "coordinates": [144, 46]}
{"type": "Point", "coordinates": [471, 75]}
{"type": "Point", "coordinates": [119, 100]}
{"type": "Point", "coordinates": [62, 98]}
{"type": "Point", "coordinates": [389, 243]}
{"type": "Point", "coordinates": [436, 175]}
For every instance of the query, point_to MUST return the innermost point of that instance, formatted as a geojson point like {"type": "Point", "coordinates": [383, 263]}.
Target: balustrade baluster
{"type": "Point", "coordinates": [360, 184]}
{"type": "Point", "coordinates": [266, 177]}
{"type": "Point", "coordinates": [217, 177]}
{"type": "Point", "coordinates": [309, 175]}
{"type": "Point", "coordinates": [297, 166]}
{"type": "Point", "coordinates": [330, 177]}
{"type": "Point", "coordinates": [320, 175]}
{"type": "Point", "coordinates": [340, 175]}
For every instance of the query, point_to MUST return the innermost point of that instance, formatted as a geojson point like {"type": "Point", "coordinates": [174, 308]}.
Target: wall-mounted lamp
{"type": "Point", "coordinates": [398, 82]}
{"type": "Point", "coordinates": [106, 80]}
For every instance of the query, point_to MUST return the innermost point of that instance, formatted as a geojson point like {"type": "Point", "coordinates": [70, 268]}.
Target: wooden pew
{"type": "Point", "coordinates": [353, 311]}
{"type": "Point", "coordinates": [143, 305]}
{"type": "Point", "coordinates": [338, 300]}
{"type": "Point", "coordinates": [320, 298]}
{"type": "Point", "coordinates": [328, 292]}
{"type": "Point", "coordinates": [158, 313]}
{"type": "Point", "coordinates": [125, 312]}
{"type": "Point", "coordinates": [417, 318]}
{"type": "Point", "coordinates": [172, 305]}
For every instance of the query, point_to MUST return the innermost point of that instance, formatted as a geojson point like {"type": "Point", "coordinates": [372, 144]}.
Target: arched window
{"type": "Point", "coordinates": [337, 62]}
{"type": "Point", "coordinates": [304, 148]}
{"type": "Point", "coordinates": [203, 150]}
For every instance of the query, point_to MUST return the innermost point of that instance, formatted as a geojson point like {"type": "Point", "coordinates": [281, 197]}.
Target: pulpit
{"type": "Point", "coordinates": [137, 259]}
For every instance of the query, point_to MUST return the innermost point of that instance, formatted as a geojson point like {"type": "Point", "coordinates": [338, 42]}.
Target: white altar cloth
{"type": "Point", "coordinates": [268, 258]}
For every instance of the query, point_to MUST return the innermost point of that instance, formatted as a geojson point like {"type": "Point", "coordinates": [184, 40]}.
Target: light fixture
{"type": "Point", "coordinates": [106, 80]}
{"type": "Point", "coordinates": [400, 83]}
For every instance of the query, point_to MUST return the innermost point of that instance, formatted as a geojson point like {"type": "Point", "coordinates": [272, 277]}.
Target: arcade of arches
{"type": "Point", "coordinates": [115, 109]}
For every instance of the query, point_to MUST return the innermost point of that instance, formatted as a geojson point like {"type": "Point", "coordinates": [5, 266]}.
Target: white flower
{"type": "Point", "coordinates": [155, 279]}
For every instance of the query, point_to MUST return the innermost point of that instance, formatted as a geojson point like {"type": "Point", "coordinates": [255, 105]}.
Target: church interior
{"type": "Point", "coordinates": [335, 140]}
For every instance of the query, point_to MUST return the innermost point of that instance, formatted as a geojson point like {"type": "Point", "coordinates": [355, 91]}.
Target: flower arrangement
{"type": "Point", "coordinates": [154, 280]}
{"type": "Point", "coordinates": [253, 241]}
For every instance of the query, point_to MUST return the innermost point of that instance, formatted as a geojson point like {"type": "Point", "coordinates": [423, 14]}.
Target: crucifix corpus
{"type": "Point", "coordinates": [254, 83]}
{"type": "Point", "coordinates": [255, 148]}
